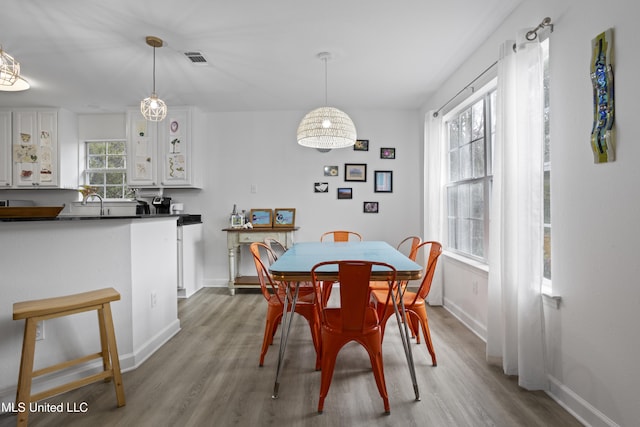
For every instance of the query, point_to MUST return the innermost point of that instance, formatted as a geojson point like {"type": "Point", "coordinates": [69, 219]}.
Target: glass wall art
{"type": "Point", "coordinates": [602, 135]}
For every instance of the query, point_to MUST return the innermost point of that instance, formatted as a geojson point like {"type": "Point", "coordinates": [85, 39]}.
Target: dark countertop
{"type": "Point", "coordinates": [182, 219]}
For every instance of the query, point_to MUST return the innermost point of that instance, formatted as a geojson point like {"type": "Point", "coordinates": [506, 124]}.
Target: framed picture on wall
{"type": "Point", "coordinates": [387, 153]}
{"type": "Point", "coordinates": [284, 217]}
{"type": "Point", "coordinates": [383, 181]}
{"type": "Point", "coordinates": [261, 218]}
{"type": "Point", "coordinates": [361, 145]}
{"type": "Point", "coordinates": [370, 207]}
{"type": "Point", "coordinates": [345, 193]}
{"type": "Point", "coordinates": [331, 171]}
{"type": "Point", "coordinates": [355, 172]}
{"type": "Point", "coordinates": [320, 187]}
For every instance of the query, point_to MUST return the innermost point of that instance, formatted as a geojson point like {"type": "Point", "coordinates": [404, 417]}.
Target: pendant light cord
{"type": "Point", "coordinates": [154, 69]}
{"type": "Point", "coordinates": [326, 83]}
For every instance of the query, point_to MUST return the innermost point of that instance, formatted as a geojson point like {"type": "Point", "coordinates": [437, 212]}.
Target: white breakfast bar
{"type": "Point", "coordinates": [48, 258]}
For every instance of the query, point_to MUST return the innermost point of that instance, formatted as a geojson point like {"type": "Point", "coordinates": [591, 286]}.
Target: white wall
{"type": "Point", "coordinates": [260, 148]}
{"type": "Point", "coordinates": [592, 339]}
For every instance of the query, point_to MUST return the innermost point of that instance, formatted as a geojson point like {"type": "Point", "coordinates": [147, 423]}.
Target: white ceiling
{"type": "Point", "coordinates": [91, 56]}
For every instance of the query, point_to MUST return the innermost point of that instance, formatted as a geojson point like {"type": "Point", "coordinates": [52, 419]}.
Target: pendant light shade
{"type": "Point", "coordinates": [153, 108]}
{"type": "Point", "coordinates": [9, 69]}
{"type": "Point", "coordinates": [326, 128]}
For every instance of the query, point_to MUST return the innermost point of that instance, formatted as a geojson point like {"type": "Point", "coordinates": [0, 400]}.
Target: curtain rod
{"type": "Point", "coordinates": [435, 114]}
{"type": "Point", "coordinates": [546, 22]}
{"type": "Point", "coordinates": [531, 35]}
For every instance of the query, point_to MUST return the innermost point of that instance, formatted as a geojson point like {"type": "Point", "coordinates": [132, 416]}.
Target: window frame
{"type": "Point", "coordinates": [125, 190]}
{"type": "Point", "coordinates": [547, 204]}
{"type": "Point", "coordinates": [487, 94]}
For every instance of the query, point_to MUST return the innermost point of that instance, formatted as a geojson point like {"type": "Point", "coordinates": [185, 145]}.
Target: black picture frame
{"type": "Point", "coordinates": [355, 172]}
{"type": "Point", "coordinates": [320, 187]}
{"type": "Point", "coordinates": [345, 193]}
{"type": "Point", "coordinates": [361, 145]}
{"type": "Point", "coordinates": [370, 207]}
{"type": "Point", "coordinates": [387, 153]}
{"type": "Point", "coordinates": [383, 181]}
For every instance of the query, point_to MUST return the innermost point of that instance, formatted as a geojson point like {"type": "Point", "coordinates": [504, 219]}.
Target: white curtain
{"type": "Point", "coordinates": [434, 201]}
{"type": "Point", "coordinates": [515, 326]}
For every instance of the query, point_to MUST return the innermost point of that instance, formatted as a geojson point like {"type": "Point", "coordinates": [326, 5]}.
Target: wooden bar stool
{"type": "Point", "coordinates": [49, 308]}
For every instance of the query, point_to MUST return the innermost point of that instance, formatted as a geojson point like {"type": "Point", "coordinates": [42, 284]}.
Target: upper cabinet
{"type": "Point", "coordinates": [165, 154]}
{"type": "Point", "coordinates": [142, 151]}
{"type": "Point", "coordinates": [5, 149]}
{"type": "Point", "coordinates": [43, 149]}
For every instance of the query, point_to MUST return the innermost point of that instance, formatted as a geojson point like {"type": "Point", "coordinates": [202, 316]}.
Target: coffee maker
{"type": "Point", "coordinates": [162, 204]}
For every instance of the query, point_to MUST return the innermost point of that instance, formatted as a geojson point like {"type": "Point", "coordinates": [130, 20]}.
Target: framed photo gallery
{"type": "Point", "coordinates": [354, 173]}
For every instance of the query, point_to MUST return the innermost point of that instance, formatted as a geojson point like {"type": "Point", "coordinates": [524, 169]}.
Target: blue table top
{"type": "Point", "coordinates": [296, 263]}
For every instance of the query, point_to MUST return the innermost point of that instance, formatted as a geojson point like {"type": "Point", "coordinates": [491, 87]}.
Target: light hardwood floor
{"type": "Point", "coordinates": [208, 375]}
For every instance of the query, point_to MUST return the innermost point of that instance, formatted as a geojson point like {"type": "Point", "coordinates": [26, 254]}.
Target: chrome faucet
{"type": "Point", "coordinates": [84, 201]}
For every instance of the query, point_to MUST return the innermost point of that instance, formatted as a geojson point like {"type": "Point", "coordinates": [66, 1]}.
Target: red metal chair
{"type": "Point", "coordinates": [414, 302]}
{"type": "Point", "coordinates": [354, 320]}
{"type": "Point", "coordinates": [337, 236]}
{"type": "Point", "coordinates": [274, 292]}
{"type": "Point", "coordinates": [340, 236]}
{"type": "Point", "coordinates": [408, 246]}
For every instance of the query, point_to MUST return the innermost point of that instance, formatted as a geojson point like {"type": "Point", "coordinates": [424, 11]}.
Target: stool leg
{"type": "Point", "coordinates": [104, 345]}
{"type": "Point", "coordinates": [113, 351]}
{"type": "Point", "coordinates": [23, 395]}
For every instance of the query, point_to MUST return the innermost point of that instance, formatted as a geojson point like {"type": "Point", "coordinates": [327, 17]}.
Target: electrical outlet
{"type": "Point", "coordinates": [40, 330]}
{"type": "Point", "coordinates": [475, 287]}
{"type": "Point", "coordinates": [154, 299]}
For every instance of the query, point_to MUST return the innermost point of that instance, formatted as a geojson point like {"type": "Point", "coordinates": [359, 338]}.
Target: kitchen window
{"type": "Point", "coordinates": [106, 168]}
{"type": "Point", "coordinates": [469, 134]}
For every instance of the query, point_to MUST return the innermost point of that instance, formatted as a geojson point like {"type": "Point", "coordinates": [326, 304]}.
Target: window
{"type": "Point", "coordinates": [547, 164]}
{"type": "Point", "coordinates": [106, 168]}
{"type": "Point", "coordinates": [469, 135]}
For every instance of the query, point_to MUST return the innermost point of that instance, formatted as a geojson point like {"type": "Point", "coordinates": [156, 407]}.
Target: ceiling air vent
{"type": "Point", "coordinates": [196, 58]}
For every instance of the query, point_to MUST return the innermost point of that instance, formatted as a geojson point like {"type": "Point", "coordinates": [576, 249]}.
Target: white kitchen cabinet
{"type": "Point", "coordinates": [165, 154]}
{"type": "Point", "coordinates": [142, 149]}
{"type": "Point", "coordinates": [5, 149]}
{"type": "Point", "coordinates": [44, 149]}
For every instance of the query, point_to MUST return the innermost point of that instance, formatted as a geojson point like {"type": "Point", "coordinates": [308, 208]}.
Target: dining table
{"type": "Point", "coordinates": [294, 267]}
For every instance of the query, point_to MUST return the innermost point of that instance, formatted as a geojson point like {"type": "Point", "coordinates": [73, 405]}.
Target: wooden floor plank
{"type": "Point", "coordinates": [208, 375]}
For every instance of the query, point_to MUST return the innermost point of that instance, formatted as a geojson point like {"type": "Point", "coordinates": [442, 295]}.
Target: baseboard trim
{"type": "Point", "coordinates": [128, 362]}
{"type": "Point", "coordinates": [582, 410]}
{"type": "Point", "coordinates": [473, 325]}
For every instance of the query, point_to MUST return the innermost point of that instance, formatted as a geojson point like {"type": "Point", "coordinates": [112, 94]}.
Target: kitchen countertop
{"type": "Point", "coordinates": [181, 218]}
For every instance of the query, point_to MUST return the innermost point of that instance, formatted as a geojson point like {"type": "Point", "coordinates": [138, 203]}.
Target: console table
{"type": "Point", "coordinates": [236, 237]}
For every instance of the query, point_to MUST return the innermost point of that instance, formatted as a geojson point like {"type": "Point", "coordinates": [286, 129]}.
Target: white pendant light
{"type": "Point", "coordinates": [9, 69]}
{"type": "Point", "coordinates": [153, 108]}
{"type": "Point", "coordinates": [326, 128]}
{"type": "Point", "coordinates": [19, 85]}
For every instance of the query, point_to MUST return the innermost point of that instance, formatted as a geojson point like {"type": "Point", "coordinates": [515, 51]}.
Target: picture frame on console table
{"type": "Point", "coordinates": [261, 218]}
{"type": "Point", "coordinates": [284, 217]}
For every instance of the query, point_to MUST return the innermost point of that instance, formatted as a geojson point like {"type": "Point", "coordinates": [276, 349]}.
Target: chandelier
{"type": "Point", "coordinates": [326, 128]}
{"type": "Point", "coordinates": [9, 69]}
{"type": "Point", "coordinates": [153, 108]}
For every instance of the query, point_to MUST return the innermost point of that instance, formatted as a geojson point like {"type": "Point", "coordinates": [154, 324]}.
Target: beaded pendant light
{"type": "Point", "coordinates": [326, 128]}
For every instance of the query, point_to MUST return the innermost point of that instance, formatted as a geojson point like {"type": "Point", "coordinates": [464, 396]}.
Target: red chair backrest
{"type": "Point", "coordinates": [267, 285]}
{"type": "Point", "coordinates": [414, 242]}
{"type": "Point", "coordinates": [435, 251]}
{"type": "Point", "coordinates": [354, 277]}
{"type": "Point", "coordinates": [341, 236]}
